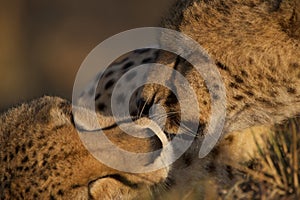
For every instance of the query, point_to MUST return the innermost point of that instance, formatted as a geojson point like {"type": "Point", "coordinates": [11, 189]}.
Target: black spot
{"type": "Point", "coordinates": [249, 93]}
{"type": "Point", "coordinates": [244, 73]}
{"type": "Point", "coordinates": [238, 97]}
{"type": "Point", "coordinates": [122, 61]}
{"type": "Point", "coordinates": [171, 100]}
{"type": "Point", "coordinates": [204, 102]}
{"type": "Point", "coordinates": [127, 65]}
{"type": "Point", "coordinates": [215, 97]}
{"type": "Point", "coordinates": [271, 79]}
{"type": "Point", "coordinates": [294, 65]}
{"type": "Point", "coordinates": [156, 54]}
{"type": "Point", "coordinates": [35, 195]}
{"type": "Point", "coordinates": [34, 164]}
{"type": "Point", "coordinates": [230, 139]}
{"type": "Point", "coordinates": [216, 87]}
{"type": "Point", "coordinates": [54, 129]}
{"type": "Point", "coordinates": [11, 156]}
{"type": "Point", "coordinates": [229, 172]}
{"type": "Point", "coordinates": [23, 148]}
{"type": "Point", "coordinates": [25, 159]}
{"type": "Point", "coordinates": [291, 90]}
{"type": "Point", "coordinates": [130, 76]}
{"type": "Point", "coordinates": [44, 163]}
{"type": "Point", "coordinates": [264, 101]}
{"type": "Point", "coordinates": [60, 192]}
{"type": "Point", "coordinates": [211, 167]}
{"type": "Point", "coordinates": [147, 60]}
{"type": "Point", "coordinates": [27, 190]}
{"type": "Point", "coordinates": [52, 197]}
{"type": "Point", "coordinates": [101, 106]}
{"type": "Point", "coordinates": [259, 76]}
{"type": "Point", "coordinates": [250, 61]}
{"type": "Point", "coordinates": [233, 85]}
{"type": "Point", "coordinates": [45, 156]}
{"type": "Point", "coordinates": [19, 168]}
{"type": "Point", "coordinates": [97, 96]}
{"type": "Point", "coordinates": [109, 84]}
{"type": "Point", "coordinates": [50, 148]}
{"type": "Point", "coordinates": [108, 74]}
{"type": "Point", "coordinates": [17, 149]}
{"type": "Point", "coordinates": [221, 66]}
{"type": "Point", "coordinates": [75, 186]}
{"type": "Point", "coordinates": [7, 185]}
{"type": "Point", "coordinates": [238, 79]}
{"type": "Point", "coordinates": [272, 69]}
{"type": "Point", "coordinates": [41, 136]}
{"type": "Point", "coordinates": [44, 177]}
{"type": "Point", "coordinates": [54, 167]}
{"type": "Point", "coordinates": [187, 159]}
{"type": "Point", "coordinates": [215, 152]}
{"type": "Point", "coordinates": [177, 62]}
{"type": "Point", "coordinates": [30, 144]}
{"type": "Point", "coordinates": [141, 51]}
{"type": "Point", "coordinates": [5, 158]}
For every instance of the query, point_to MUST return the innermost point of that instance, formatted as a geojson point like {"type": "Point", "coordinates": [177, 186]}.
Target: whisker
{"type": "Point", "coordinates": [170, 114]}
{"type": "Point", "coordinates": [143, 108]}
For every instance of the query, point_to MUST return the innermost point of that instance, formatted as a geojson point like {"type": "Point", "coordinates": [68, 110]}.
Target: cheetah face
{"type": "Point", "coordinates": [150, 98]}
{"type": "Point", "coordinates": [141, 104]}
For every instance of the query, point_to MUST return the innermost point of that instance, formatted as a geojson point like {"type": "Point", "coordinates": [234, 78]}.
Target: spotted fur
{"type": "Point", "coordinates": [255, 46]}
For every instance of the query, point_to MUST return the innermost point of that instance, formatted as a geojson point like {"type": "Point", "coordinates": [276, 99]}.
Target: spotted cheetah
{"type": "Point", "coordinates": [255, 46]}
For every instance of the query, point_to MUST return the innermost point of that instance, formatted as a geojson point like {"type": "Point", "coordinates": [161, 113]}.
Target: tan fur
{"type": "Point", "coordinates": [258, 58]}
{"type": "Point", "coordinates": [256, 47]}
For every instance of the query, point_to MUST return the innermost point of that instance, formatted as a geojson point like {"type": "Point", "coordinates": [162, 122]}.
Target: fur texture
{"type": "Point", "coordinates": [255, 45]}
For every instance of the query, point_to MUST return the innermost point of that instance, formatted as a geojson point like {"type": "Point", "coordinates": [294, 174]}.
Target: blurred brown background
{"type": "Point", "coordinates": [42, 43]}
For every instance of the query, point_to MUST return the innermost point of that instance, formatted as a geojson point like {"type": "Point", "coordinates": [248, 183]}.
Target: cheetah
{"type": "Point", "coordinates": [255, 46]}
{"type": "Point", "coordinates": [42, 157]}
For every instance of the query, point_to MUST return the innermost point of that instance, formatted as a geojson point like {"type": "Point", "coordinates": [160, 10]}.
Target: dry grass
{"type": "Point", "coordinates": [275, 173]}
